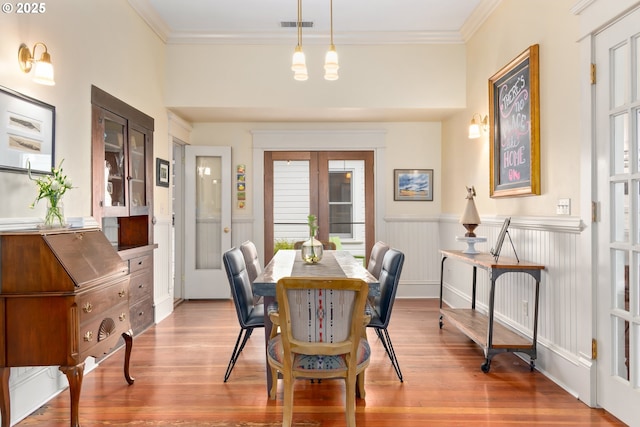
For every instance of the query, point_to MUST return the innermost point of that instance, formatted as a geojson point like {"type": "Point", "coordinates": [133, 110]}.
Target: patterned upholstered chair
{"type": "Point", "coordinates": [250, 315]}
{"type": "Point", "coordinates": [252, 261]}
{"type": "Point", "coordinates": [322, 336]}
{"type": "Point", "coordinates": [383, 304]}
{"type": "Point", "coordinates": [376, 257]}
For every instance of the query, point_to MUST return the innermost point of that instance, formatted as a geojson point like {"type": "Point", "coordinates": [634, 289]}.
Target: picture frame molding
{"type": "Point", "coordinates": [398, 190]}
{"type": "Point", "coordinates": [530, 184]}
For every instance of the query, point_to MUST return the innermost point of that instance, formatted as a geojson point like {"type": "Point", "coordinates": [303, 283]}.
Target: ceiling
{"type": "Point", "coordinates": [355, 22]}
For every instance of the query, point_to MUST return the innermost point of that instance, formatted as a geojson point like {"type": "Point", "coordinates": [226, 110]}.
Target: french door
{"type": "Point", "coordinates": [617, 51]}
{"type": "Point", "coordinates": [207, 227]}
{"type": "Point", "coordinates": [336, 186]}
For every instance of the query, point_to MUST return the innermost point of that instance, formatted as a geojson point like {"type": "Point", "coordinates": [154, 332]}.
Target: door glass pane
{"type": "Point", "coordinates": [637, 67]}
{"type": "Point", "coordinates": [347, 204]}
{"type": "Point", "coordinates": [619, 80]}
{"type": "Point", "coordinates": [620, 273]}
{"type": "Point", "coordinates": [620, 141]}
{"type": "Point", "coordinates": [208, 212]}
{"type": "Point", "coordinates": [340, 204]}
{"type": "Point", "coordinates": [137, 172]}
{"type": "Point", "coordinates": [114, 158]}
{"type": "Point", "coordinates": [291, 202]}
{"type": "Point", "coordinates": [621, 348]}
{"type": "Point", "coordinates": [620, 211]}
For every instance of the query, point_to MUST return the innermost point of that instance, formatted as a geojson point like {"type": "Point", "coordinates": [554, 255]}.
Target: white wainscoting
{"type": "Point", "coordinates": [163, 268]}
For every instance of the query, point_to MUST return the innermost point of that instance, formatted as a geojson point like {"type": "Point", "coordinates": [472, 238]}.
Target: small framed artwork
{"type": "Point", "coordinates": [27, 131]}
{"type": "Point", "coordinates": [514, 119]}
{"type": "Point", "coordinates": [413, 184]}
{"type": "Point", "coordinates": [162, 173]}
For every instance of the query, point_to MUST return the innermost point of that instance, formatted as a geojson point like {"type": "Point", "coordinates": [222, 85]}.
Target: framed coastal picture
{"type": "Point", "coordinates": [27, 131]}
{"type": "Point", "coordinates": [413, 184]}
{"type": "Point", "coordinates": [514, 123]}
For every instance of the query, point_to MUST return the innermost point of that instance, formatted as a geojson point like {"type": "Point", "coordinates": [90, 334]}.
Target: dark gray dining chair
{"type": "Point", "coordinates": [383, 303]}
{"type": "Point", "coordinates": [252, 261]}
{"type": "Point", "coordinates": [250, 315]}
{"type": "Point", "coordinates": [375, 259]}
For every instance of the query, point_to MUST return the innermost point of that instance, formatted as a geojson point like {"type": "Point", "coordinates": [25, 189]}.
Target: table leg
{"type": "Point", "coordinates": [74, 374]}
{"type": "Point", "coordinates": [267, 333]}
{"type": "Point", "coordinates": [5, 404]}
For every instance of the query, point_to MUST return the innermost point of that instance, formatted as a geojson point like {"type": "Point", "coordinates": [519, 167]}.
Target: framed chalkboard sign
{"type": "Point", "coordinates": [514, 118]}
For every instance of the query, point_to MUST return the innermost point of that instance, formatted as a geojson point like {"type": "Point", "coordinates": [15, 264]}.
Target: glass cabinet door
{"type": "Point", "coordinates": [137, 171]}
{"type": "Point", "coordinates": [114, 166]}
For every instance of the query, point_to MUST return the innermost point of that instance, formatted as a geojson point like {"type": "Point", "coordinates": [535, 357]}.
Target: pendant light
{"type": "Point", "coordinates": [298, 64]}
{"type": "Point", "coordinates": [331, 59]}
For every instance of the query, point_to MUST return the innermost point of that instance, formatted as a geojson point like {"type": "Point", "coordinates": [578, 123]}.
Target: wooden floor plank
{"type": "Point", "coordinates": [179, 367]}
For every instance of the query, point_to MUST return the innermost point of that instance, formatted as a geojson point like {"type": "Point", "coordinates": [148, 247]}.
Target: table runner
{"type": "Point", "coordinates": [327, 267]}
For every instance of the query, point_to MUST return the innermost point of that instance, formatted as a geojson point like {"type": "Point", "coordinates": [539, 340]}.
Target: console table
{"type": "Point", "coordinates": [493, 337]}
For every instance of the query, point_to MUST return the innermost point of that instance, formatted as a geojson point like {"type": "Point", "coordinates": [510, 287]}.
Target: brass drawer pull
{"type": "Point", "coordinates": [88, 308]}
{"type": "Point", "coordinates": [88, 337]}
{"type": "Point", "coordinates": [141, 286]}
{"type": "Point", "coordinates": [122, 293]}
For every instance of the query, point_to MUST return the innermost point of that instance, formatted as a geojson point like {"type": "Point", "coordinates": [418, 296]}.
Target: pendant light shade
{"type": "Point", "coordinates": [331, 58]}
{"type": "Point", "coordinates": [298, 63]}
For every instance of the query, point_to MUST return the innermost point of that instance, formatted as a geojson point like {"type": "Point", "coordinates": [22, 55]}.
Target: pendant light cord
{"type": "Point", "coordinates": [300, 23]}
{"type": "Point", "coordinates": [331, 14]}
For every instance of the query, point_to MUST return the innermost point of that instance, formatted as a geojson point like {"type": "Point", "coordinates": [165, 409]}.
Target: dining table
{"type": "Point", "coordinates": [289, 263]}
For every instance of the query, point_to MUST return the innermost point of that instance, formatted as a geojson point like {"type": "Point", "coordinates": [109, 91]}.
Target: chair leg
{"type": "Point", "coordinates": [386, 342]}
{"type": "Point", "coordinates": [350, 400]}
{"type": "Point", "coordinates": [237, 349]}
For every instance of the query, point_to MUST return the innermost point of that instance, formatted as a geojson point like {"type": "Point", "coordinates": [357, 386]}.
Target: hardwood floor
{"type": "Point", "coordinates": [179, 366]}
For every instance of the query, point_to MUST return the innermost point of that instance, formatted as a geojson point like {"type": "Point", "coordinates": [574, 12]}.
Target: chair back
{"type": "Point", "coordinates": [240, 284]}
{"type": "Point", "coordinates": [389, 279]}
{"type": "Point", "coordinates": [321, 316]}
{"type": "Point", "coordinates": [251, 259]}
{"type": "Point", "coordinates": [327, 246]}
{"type": "Point", "coordinates": [375, 259]}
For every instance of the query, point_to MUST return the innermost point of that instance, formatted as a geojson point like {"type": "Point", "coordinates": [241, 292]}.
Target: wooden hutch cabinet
{"type": "Point", "coordinates": [122, 173]}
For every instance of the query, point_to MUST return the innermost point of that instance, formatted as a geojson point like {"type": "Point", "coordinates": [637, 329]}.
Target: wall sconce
{"type": "Point", "coordinates": [42, 68]}
{"type": "Point", "coordinates": [477, 125]}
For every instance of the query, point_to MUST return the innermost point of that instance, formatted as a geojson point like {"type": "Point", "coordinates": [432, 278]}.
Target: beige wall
{"type": "Point", "coordinates": [512, 28]}
{"type": "Point", "coordinates": [398, 76]}
{"type": "Point", "coordinates": [408, 145]}
{"type": "Point", "coordinates": [99, 42]}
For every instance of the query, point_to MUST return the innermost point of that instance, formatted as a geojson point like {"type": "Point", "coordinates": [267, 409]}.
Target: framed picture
{"type": "Point", "coordinates": [495, 250]}
{"type": "Point", "coordinates": [27, 133]}
{"type": "Point", "coordinates": [514, 119]}
{"type": "Point", "coordinates": [413, 184]}
{"type": "Point", "coordinates": [162, 173]}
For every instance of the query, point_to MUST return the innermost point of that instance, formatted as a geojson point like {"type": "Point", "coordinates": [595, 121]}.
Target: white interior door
{"type": "Point", "coordinates": [207, 221]}
{"type": "Point", "coordinates": [618, 187]}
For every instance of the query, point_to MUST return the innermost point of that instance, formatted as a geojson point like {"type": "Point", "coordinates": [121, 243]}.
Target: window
{"type": "Point", "coordinates": [341, 203]}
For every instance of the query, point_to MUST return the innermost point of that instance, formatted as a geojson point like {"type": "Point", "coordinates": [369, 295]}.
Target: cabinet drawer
{"type": "Point", "coordinates": [141, 315]}
{"type": "Point", "coordinates": [104, 331]}
{"type": "Point", "coordinates": [95, 303]}
{"type": "Point", "coordinates": [140, 263]}
{"type": "Point", "coordinates": [140, 286]}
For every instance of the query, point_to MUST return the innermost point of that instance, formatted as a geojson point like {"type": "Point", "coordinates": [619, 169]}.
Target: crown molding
{"type": "Point", "coordinates": [477, 18]}
{"type": "Point", "coordinates": [149, 15]}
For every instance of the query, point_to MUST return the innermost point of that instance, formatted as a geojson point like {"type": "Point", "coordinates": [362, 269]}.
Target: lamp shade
{"type": "Point", "coordinates": [331, 64]}
{"type": "Point", "coordinates": [474, 130]}
{"type": "Point", "coordinates": [43, 73]}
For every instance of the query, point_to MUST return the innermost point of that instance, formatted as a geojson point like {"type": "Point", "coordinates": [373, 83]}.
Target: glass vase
{"type": "Point", "coordinates": [311, 251]}
{"type": "Point", "coordinates": [55, 213]}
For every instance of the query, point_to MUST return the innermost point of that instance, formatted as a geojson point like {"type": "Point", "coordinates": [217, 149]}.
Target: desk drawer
{"type": "Point", "coordinates": [95, 303]}
{"type": "Point", "coordinates": [102, 333]}
{"type": "Point", "coordinates": [140, 286]}
{"type": "Point", "coordinates": [142, 315]}
{"type": "Point", "coordinates": [140, 263]}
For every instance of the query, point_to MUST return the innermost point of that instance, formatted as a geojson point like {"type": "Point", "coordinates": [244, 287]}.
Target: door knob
{"type": "Point", "coordinates": [226, 229]}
